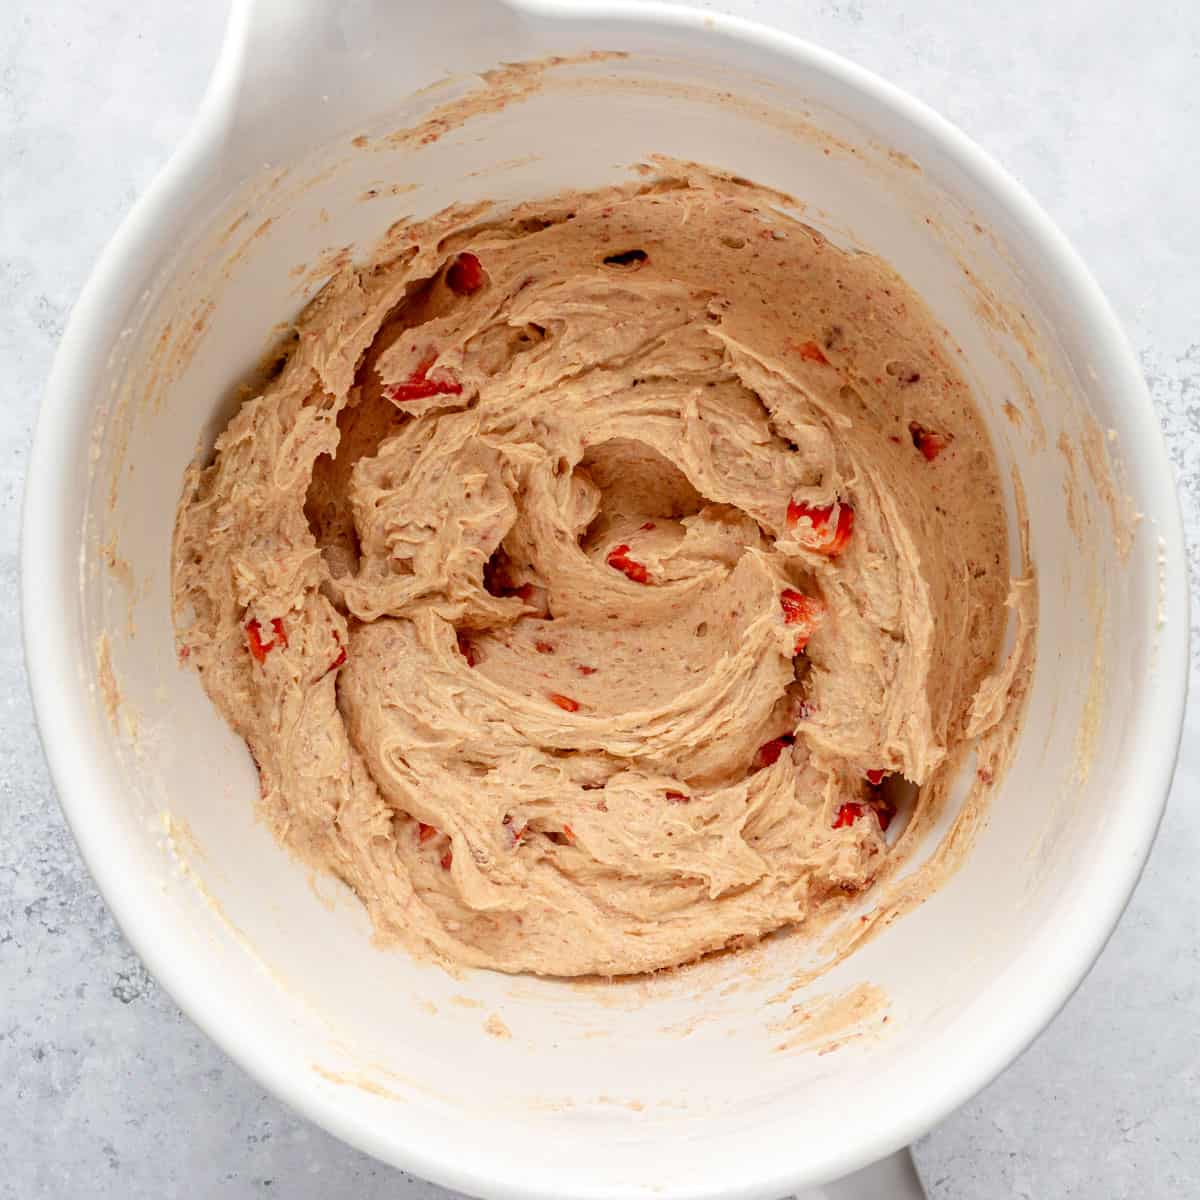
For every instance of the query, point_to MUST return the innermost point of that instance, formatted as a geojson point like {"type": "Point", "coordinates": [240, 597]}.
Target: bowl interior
{"type": "Point", "coordinates": [671, 1086]}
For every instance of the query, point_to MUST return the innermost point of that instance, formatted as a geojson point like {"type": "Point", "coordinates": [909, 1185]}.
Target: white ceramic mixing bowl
{"type": "Point", "coordinates": [669, 1088]}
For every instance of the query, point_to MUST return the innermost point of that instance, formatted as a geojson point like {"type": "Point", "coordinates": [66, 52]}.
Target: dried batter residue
{"type": "Point", "coordinates": [495, 1027]}
{"type": "Point", "coordinates": [825, 1023]}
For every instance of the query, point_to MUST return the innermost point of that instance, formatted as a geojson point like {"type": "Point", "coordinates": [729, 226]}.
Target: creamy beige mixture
{"type": "Point", "coordinates": [587, 585]}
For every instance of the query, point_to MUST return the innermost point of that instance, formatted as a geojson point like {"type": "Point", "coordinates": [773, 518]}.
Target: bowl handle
{"type": "Point", "coordinates": [293, 73]}
{"type": "Point", "coordinates": [891, 1178]}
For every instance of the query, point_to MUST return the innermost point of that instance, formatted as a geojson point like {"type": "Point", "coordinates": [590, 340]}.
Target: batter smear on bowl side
{"type": "Point", "coordinates": [586, 583]}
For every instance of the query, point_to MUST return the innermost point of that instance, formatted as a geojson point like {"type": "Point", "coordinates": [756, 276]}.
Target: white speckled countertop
{"type": "Point", "coordinates": [107, 1090]}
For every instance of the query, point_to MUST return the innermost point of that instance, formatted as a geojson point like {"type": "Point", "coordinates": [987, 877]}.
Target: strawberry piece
{"type": "Point", "coordinates": [564, 702]}
{"type": "Point", "coordinates": [769, 752]}
{"type": "Point", "coordinates": [465, 276]}
{"type": "Point", "coordinates": [619, 560]}
{"type": "Point", "coordinates": [418, 387]}
{"type": "Point", "coordinates": [421, 389]}
{"type": "Point", "coordinates": [848, 814]}
{"type": "Point", "coordinates": [587, 670]}
{"type": "Point", "coordinates": [928, 441]}
{"type": "Point", "coordinates": [805, 612]}
{"type": "Point", "coordinates": [425, 833]}
{"type": "Point", "coordinates": [254, 640]}
{"type": "Point", "coordinates": [823, 540]}
{"type": "Point", "coordinates": [467, 649]}
{"type": "Point", "coordinates": [799, 608]}
{"type": "Point", "coordinates": [853, 811]}
{"type": "Point", "coordinates": [875, 778]}
{"type": "Point", "coordinates": [811, 352]}
{"type": "Point", "coordinates": [544, 647]}
{"type": "Point", "coordinates": [447, 859]}
{"type": "Point", "coordinates": [679, 797]}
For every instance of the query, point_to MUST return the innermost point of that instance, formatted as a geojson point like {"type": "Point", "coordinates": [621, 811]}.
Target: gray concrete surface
{"type": "Point", "coordinates": [105, 1089]}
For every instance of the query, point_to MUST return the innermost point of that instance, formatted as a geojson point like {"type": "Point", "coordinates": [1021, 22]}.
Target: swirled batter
{"type": "Point", "coordinates": [587, 584]}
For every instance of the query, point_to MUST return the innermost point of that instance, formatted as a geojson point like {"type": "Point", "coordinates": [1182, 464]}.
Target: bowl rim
{"type": "Point", "coordinates": [61, 701]}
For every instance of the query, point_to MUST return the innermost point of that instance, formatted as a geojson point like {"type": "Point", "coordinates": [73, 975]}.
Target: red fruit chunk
{"type": "Point", "coordinates": [875, 778]}
{"type": "Point", "coordinates": [418, 387]}
{"type": "Point", "coordinates": [564, 702]}
{"type": "Point", "coordinates": [823, 539]}
{"type": "Point", "coordinates": [258, 647]}
{"type": "Point", "coordinates": [421, 389]}
{"type": "Point", "coordinates": [848, 814]}
{"type": "Point", "coordinates": [465, 276]}
{"type": "Point", "coordinates": [425, 833]}
{"type": "Point", "coordinates": [678, 797]}
{"type": "Point", "coordinates": [811, 352]}
{"type": "Point", "coordinates": [929, 442]}
{"type": "Point", "coordinates": [769, 752]}
{"type": "Point", "coordinates": [805, 612]}
{"type": "Point", "coordinates": [588, 670]}
{"type": "Point", "coordinates": [543, 647]}
{"type": "Point", "coordinates": [799, 608]}
{"type": "Point", "coordinates": [447, 859]}
{"type": "Point", "coordinates": [619, 560]}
